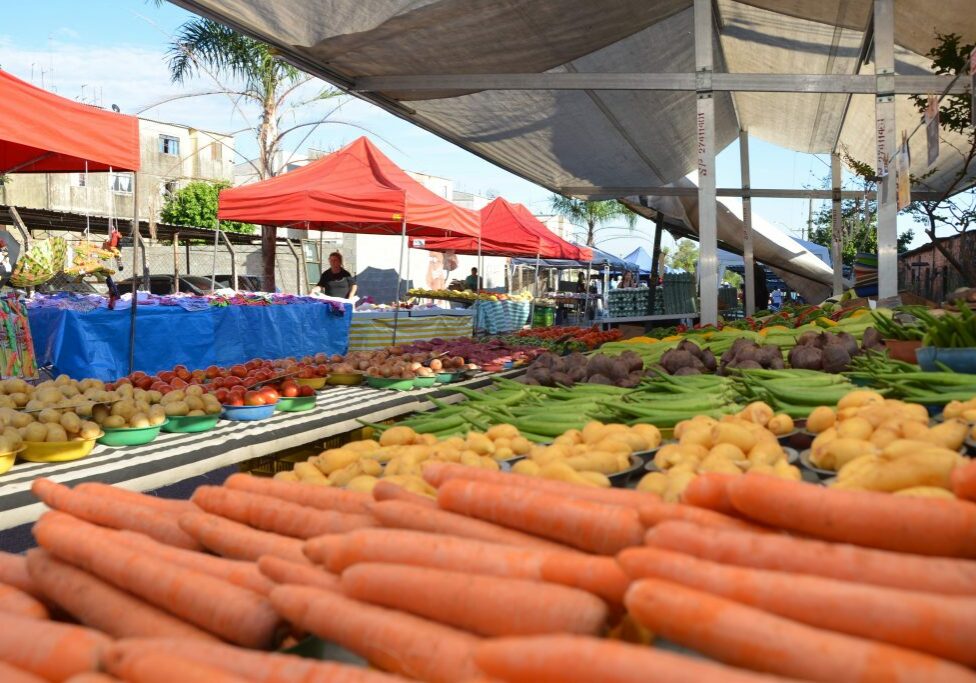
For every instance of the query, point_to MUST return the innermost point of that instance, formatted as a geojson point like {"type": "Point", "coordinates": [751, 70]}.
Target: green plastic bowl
{"type": "Point", "coordinates": [424, 382]}
{"type": "Point", "coordinates": [186, 424]}
{"type": "Point", "coordinates": [294, 404]}
{"type": "Point", "coordinates": [390, 383]}
{"type": "Point", "coordinates": [448, 377]}
{"type": "Point", "coordinates": [130, 436]}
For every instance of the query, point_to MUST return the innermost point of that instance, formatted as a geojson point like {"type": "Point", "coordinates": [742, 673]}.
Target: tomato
{"type": "Point", "coordinates": [234, 400]}
{"type": "Point", "coordinates": [230, 382]}
{"type": "Point", "coordinates": [178, 383]}
{"type": "Point", "coordinates": [254, 398]}
{"type": "Point", "coordinates": [145, 382]}
{"type": "Point", "coordinates": [290, 389]}
{"type": "Point", "coordinates": [306, 391]}
{"type": "Point", "coordinates": [222, 395]}
{"type": "Point", "coordinates": [271, 394]}
{"type": "Point", "coordinates": [252, 364]}
{"type": "Point", "coordinates": [212, 372]}
{"type": "Point", "coordinates": [159, 386]}
{"type": "Point", "coordinates": [238, 371]}
{"type": "Point", "coordinates": [138, 374]}
{"type": "Point", "coordinates": [166, 376]}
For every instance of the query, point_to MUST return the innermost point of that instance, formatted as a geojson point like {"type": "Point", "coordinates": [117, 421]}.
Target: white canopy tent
{"type": "Point", "coordinates": [620, 98]}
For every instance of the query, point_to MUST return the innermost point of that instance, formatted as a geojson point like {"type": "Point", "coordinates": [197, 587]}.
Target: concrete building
{"type": "Point", "coordinates": [172, 155]}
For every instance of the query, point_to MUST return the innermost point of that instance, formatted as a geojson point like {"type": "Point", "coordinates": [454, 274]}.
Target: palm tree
{"type": "Point", "coordinates": [259, 78]}
{"type": "Point", "coordinates": [591, 214]}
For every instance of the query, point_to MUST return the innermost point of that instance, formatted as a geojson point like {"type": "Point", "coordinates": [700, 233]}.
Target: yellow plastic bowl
{"type": "Point", "coordinates": [314, 382]}
{"type": "Point", "coordinates": [58, 451]}
{"type": "Point", "coordinates": [7, 459]}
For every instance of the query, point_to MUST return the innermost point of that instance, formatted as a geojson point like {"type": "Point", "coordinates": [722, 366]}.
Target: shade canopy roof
{"type": "Point", "coordinates": [640, 257]}
{"type": "Point", "coordinates": [356, 189]}
{"type": "Point", "coordinates": [41, 132]}
{"type": "Point", "coordinates": [509, 229]}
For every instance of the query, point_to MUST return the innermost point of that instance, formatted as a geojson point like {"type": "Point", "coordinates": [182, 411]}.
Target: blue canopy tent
{"type": "Point", "coordinates": [641, 258]}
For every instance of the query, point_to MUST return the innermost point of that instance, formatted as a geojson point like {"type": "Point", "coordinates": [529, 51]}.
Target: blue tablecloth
{"type": "Point", "coordinates": [96, 344]}
{"type": "Point", "coordinates": [496, 317]}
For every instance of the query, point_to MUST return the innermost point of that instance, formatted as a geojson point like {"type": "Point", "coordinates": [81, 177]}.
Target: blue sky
{"type": "Point", "coordinates": [114, 50]}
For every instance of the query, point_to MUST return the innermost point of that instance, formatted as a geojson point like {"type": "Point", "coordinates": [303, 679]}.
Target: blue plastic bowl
{"type": "Point", "coordinates": [960, 360]}
{"type": "Point", "coordinates": [248, 413]}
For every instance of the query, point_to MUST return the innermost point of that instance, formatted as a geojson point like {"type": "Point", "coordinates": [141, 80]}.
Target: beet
{"type": "Point", "coordinates": [691, 347]}
{"type": "Point", "coordinates": [806, 357]}
{"type": "Point", "coordinates": [872, 339]}
{"type": "Point", "coordinates": [767, 353]}
{"type": "Point", "coordinates": [835, 358]}
{"type": "Point", "coordinates": [687, 371]}
{"type": "Point", "coordinates": [748, 365]}
{"type": "Point", "coordinates": [599, 365]}
{"type": "Point", "coordinates": [808, 338]}
{"type": "Point", "coordinates": [849, 342]}
{"type": "Point", "coordinates": [599, 379]}
{"type": "Point", "coordinates": [777, 363]}
{"type": "Point", "coordinates": [675, 359]}
{"type": "Point", "coordinates": [708, 360]}
{"type": "Point", "coordinates": [561, 378]}
{"type": "Point", "coordinates": [634, 361]}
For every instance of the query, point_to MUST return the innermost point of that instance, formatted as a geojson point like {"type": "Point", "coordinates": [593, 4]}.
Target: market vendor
{"type": "Point", "coordinates": [473, 282]}
{"type": "Point", "coordinates": [336, 281]}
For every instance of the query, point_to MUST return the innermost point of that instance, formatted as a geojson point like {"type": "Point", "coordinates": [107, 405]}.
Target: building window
{"type": "Point", "coordinates": [169, 188]}
{"type": "Point", "coordinates": [122, 183]}
{"type": "Point", "coordinates": [215, 151]}
{"type": "Point", "coordinates": [78, 179]}
{"type": "Point", "coordinates": [169, 145]}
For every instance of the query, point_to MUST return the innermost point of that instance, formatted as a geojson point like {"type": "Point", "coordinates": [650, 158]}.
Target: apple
{"type": "Point", "coordinates": [306, 391]}
{"type": "Point", "coordinates": [254, 398]}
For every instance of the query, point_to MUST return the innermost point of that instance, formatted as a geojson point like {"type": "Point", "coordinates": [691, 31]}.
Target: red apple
{"type": "Point", "coordinates": [254, 398]}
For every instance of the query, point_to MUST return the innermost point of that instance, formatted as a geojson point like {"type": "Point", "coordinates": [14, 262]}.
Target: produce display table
{"type": "Point", "coordinates": [96, 343]}
{"type": "Point", "coordinates": [175, 457]}
{"type": "Point", "coordinates": [375, 330]}
{"type": "Point", "coordinates": [605, 323]}
{"type": "Point", "coordinates": [495, 317]}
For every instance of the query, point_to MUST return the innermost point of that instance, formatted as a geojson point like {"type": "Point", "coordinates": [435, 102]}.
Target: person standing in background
{"type": "Point", "coordinates": [336, 281]}
{"type": "Point", "coordinates": [777, 298]}
{"type": "Point", "coordinates": [472, 281]}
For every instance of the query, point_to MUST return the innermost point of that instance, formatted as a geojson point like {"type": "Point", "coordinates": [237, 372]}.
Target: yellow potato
{"type": "Point", "coordinates": [364, 483]}
{"type": "Point", "coordinates": [335, 459]}
{"type": "Point", "coordinates": [596, 461]}
{"type": "Point", "coordinates": [925, 492]}
{"type": "Point", "coordinates": [503, 453]}
{"type": "Point", "coordinates": [931, 467]}
{"type": "Point", "coordinates": [470, 458]}
{"type": "Point", "coordinates": [560, 471]}
{"type": "Point", "coordinates": [757, 412]}
{"type": "Point", "coordinates": [346, 474]}
{"type": "Point", "coordinates": [950, 434]}
{"type": "Point", "coordinates": [527, 467]}
{"type": "Point", "coordinates": [114, 422]}
{"type": "Point", "coordinates": [883, 437]}
{"type": "Point", "coordinates": [286, 475]}
{"type": "Point", "coordinates": [698, 436]}
{"type": "Point", "coordinates": [371, 467]}
{"type": "Point", "coordinates": [520, 445]}
{"type": "Point", "coordinates": [728, 432]}
{"type": "Point", "coordinates": [395, 436]}
{"type": "Point", "coordinates": [858, 398]}
{"type": "Point", "coordinates": [855, 428]}
{"type": "Point", "coordinates": [672, 454]}
{"type": "Point", "coordinates": [596, 479]}
{"type": "Point", "coordinates": [593, 431]}
{"type": "Point", "coordinates": [71, 423]}
{"type": "Point", "coordinates": [784, 470]}
{"type": "Point", "coordinates": [780, 424]}
{"type": "Point", "coordinates": [718, 463]}
{"type": "Point", "coordinates": [653, 482]}
{"type": "Point", "coordinates": [904, 447]}
{"type": "Point", "coordinates": [678, 481]}
{"type": "Point", "coordinates": [728, 451]}
{"type": "Point", "coordinates": [615, 444]}
{"type": "Point", "coordinates": [841, 451]}
{"type": "Point", "coordinates": [506, 431]}
{"type": "Point", "coordinates": [697, 422]}
{"type": "Point", "coordinates": [361, 446]}
{"type": "Point", "coordinates": [914, 430]}
{"type": "Point", "coordinates": [650, 434]}
{"type": "Point", "coordinates": [309, 473]}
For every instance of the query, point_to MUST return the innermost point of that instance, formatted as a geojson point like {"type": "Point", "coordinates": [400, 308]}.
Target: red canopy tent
{"type": "Point", "coordinates": [41, 132]}
{"type": "Point", "coordinates": [509, 229]}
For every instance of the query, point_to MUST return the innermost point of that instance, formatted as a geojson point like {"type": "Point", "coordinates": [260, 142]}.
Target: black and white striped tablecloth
{"type": "Point", "coordinates": [175, 457]}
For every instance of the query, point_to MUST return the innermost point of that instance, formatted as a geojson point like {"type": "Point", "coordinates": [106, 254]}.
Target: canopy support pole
{"type": "Point", "coordinates": [837, 234]}
{"type": "Point", "coordinates": [749, 292]}
{"type": "Point", "coordinates": [136, 239]}
{"type": "Point", "coordinates": [705, 127]}
{"type": "Point", "coordinates": [884, 69]}
{"type": "Point", "coordinates": [396, 303]}
{"type": "Point", "coordinates": [213, 269]}
{"type": "Point", "coordinates": [655, 263]}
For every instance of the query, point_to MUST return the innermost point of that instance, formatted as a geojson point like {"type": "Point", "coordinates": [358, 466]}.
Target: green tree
{"type": "Point", "coordinates": [732, 278]}
{"type": "Point", "coordinates": [196, 205]}
{"type": "Point", "coordinates": [685, 256]}
{"type": "Point", "coordinates": [591, 214]}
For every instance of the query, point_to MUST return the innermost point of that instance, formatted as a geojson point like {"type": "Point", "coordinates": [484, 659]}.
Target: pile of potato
{"type": "Point", "coordinates": [965, 410]}
{"type": "Point", "coordinates": [744, 442]}
{"type": "Point", "coordinates": [880, 444]}
{"type": "Point", "coordinates": [137, 409]}
{"type": "Point", "coordinates": [48, 424]}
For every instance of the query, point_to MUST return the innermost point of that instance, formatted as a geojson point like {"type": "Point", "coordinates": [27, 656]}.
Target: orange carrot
{"type": "Point", "coordinates": [321, 497]}
{"type": "Point", "coordinates": [283, 571]}
{"type": "Point", "coordinates": [12, 674]}
{"type": "Point", "coordinates": [276, 515]}
{"type": "Point", "coordinates": [15, 601]}
{"type": "Point", "coordinates": [236, 614]}
{"type": "Point", "coordinates": [655, 512]}
{"type": "Point", "coordinates": [112, 513]}
{"type": "Point", "coordinates": [594, 573]}
{"type": "Point", "coordinates": [576, 659]}
{"type": "Point", "coordinates": [486, 605]}
{"type": "Point", "coordinates": [436, 473]}
{"type": "Point", "coordinates": [92, 677]}
{"type": "Point", "coordinates": [100, 605]}
{"type": "Point", "coordinates": [13, 572]}
{"type": "Point", "coordinates": [49, 649]}
{"type": "Point", "coordinates": [391, 640]}
{"type": "Point", "coordinates": [263, 667]}
{"type": "Point", "coordinates": [164, 505]}
{"type": "Point", "coordinates": [594, 527]}
{"type": "Point", "coordinates": [238, 541]}
{"type": "Point", "coordinates": [387, 490]}
{"type": "Point", "coordinates": [157, 667]}
{"type": "Point", "coordinates": [964, 481]}
{"type": "Point", "coordinates": [868, 518]}
{"type": "Point", "coordinates": [751, 638]}
{"type": "Point", "coordinates": [402, 515]}
{"type": "Point", "coordinates": [940, 625]}
{"type": "Point", "coordinates": [238, 572]}
{"type": "Point", "coordinates": [807, 556]}
{"type": "Point", "coordinates": [709, 490]}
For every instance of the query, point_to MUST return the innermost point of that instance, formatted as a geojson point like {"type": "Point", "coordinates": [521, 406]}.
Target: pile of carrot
{"type": "Point", "coordinates": [502, 578]}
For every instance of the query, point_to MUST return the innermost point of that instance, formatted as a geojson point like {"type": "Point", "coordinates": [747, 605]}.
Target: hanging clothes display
{"type": "Point", "coordinates": [17, 357]}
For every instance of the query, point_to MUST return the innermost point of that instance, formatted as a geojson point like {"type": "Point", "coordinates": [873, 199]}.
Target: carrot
{"type": "Point", "coordinates": [92, 677]}
{"type": "Point", "coordinates": [15, 601]}
{"type": "Point", "coordinates": [276, 515]}
{"type": "Point", "coordinates": [807, 556]}
{"type": "Point", "coordinates": [387, 490]}
{"type": "Point", "coordinates": [235, 614]}
{"type": "Point", "coordinates": [112, 513]}
{"type": "Point", "coordinates": [157, 667]}
{"type": "Point", "coordinates": [594, 527]}
{"type": "Point", "coordinates": [964, 481]}
{"type": "Point", "coordinates": [238, 572]}
{"type": "Point", "coordinates": [13, 572]}
{"type": "Point", "coordinates": [321, 497]}
{"type": "Point", "coordinates": [709, 490]}
{"type": "Point", "coordinates": [868, 518]}
{"type": "Point", "coordinates": [391, 640]}
{"type": "Point", "coordinates": [283, 571]}
{"type": "Point", "coordinates": [163, 505]}
{"type": "Point", "coordinates": [100, 605]}
{"type": "Point", "coordinates": [597, 574]}
{"type": "Point", "coordinates": [937, 624]}
{"type": "Point", "coordinates": [751, 638]}
{"type": "Point", "coordinates": [264, 667]}
{"type": "Point", "coordinates": [238, 541]}
{"type": "Point", "coordinates": [12, 674]}
{"type": "Point", "coordinates": [404, 515]}
{"type": "Point", "coordinates": [576, 659]}
{"type": "Point", "coordinates": [49, 649]}
{"type": "Point", "coordinates": [436, 473]}
{"type": "Point", "coordinates": [486, 605]}
{"type": "Point", "coordinates": [655, 512]}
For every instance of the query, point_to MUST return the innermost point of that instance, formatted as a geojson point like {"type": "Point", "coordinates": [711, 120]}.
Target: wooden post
{"type": "Point", "coordinates": [655, 262]}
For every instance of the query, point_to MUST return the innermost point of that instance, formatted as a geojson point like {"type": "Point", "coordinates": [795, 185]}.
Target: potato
{"type": "Point", "coordinates": [480, 444]}
{"type": "Point", "coordinates": [89, 430]}
{"type": "Point", "coordinates": [821, 419]}
{"type": "Point", "coordinates": [343, 476]}
{"type": "Point", "coordinates": [841, 451]}
{"type": "Point", "coordinates": [49, 416]}
{"type": "Point", "coordinates": [7, 445]}
{"type": "Point", "coordinates": [700, 436]}
{"type": "Point", "coordinates": [596, 478]}
{"type": "Point", "coordinates": [286, 475]}
{"type": "Point", "coordinates": [859, 398]}
{"type": "Point", "coordinates": [780, 424]}
{"type": "Point", "coordinates": [855, 428]}
{"type": "Point", "coordinates": [335, 459]}
{"type": "Point", "coordinates": [914, 430]}
{"type": "Point", "coordinates": [719, 463]}
{"type": "Point", "coordinates": [364, 483]}
{"type": "Point", "coordinates": [310, 474]}
{"type": "Point", "coordinates": [370, 466]}
{"type": "Point", "coordinates": [139, 421]}
{"type": "Point", "coordinates": [650, 433]}
{"type": "Point", "coordinates": [784, 470]}
{"type": "Point", "coordinates": [194, 390]}
{"type": "Point", "coordinates": [904, 447]}
{"type": "Point", "coordinates": [114, 422]}
{"type": "Point", "coordinates": [35, 431]}
{"type": "Point", "coordinates": [192, 402]}
{"type": "Point", "coordinates": [883, 437]}
{"type": "Point", "coordinates": [397, 436]}
{"type": "Point", "coordinates": [20, 399]}
{"type": "Point", "coordinates": [757, 412]}
{"type": "Point", "coordinates": [697, 422]}
{"type": "Point", "coordinates": [653, 482]}
{"type": "Point", "coordinates": [55, 433]}
{"type": "Point", "coordinates": [678, 481]}
{"type": "Point", "coordinates": [930, 467]}
{"type": "Point", "coordinates": [593, 431]}
{"type": "Point", "coordinates": [925, 492]}
{"type": "Point", "coordinates": [560, 471]}
{"type": "Point", "coordinates": [674, 454]}
{"type": "Point", "coordinates": [728, 432]}
{"type": "Point", "coordinates": [597, 461]}
{"type": "Point", "coordinates": [124, 408]}
{"type": "Point", "coordinates": [177, 408]}
{"type": "Point", "coordinates": [71, 423]}
{"type": "Point", "coordinates": [508, 431]}
{"type": "Point", "coordinates": [48, 395]}
{"type": "Point", "coordinates": [950, 434]}
{"type": "Point", "coordinates": [7, 402]}
{"type": "Point", "coordinates": [526, 467]}
{"type": "Point", "coordinates": [156, 418]}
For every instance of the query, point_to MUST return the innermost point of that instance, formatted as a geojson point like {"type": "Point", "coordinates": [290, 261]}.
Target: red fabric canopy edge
{"type": "Point", "coordinates": [41, 132]}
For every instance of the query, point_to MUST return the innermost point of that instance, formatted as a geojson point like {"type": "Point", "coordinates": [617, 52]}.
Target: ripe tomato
{"type": "Point", "coordinates": [238, 371]}
{"type": "Point", "coordinates": [212, 372]}
{"type": "Point", "coordinates": [306, 391]}
{"type": "Point", "coordinates": [254, 398]}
